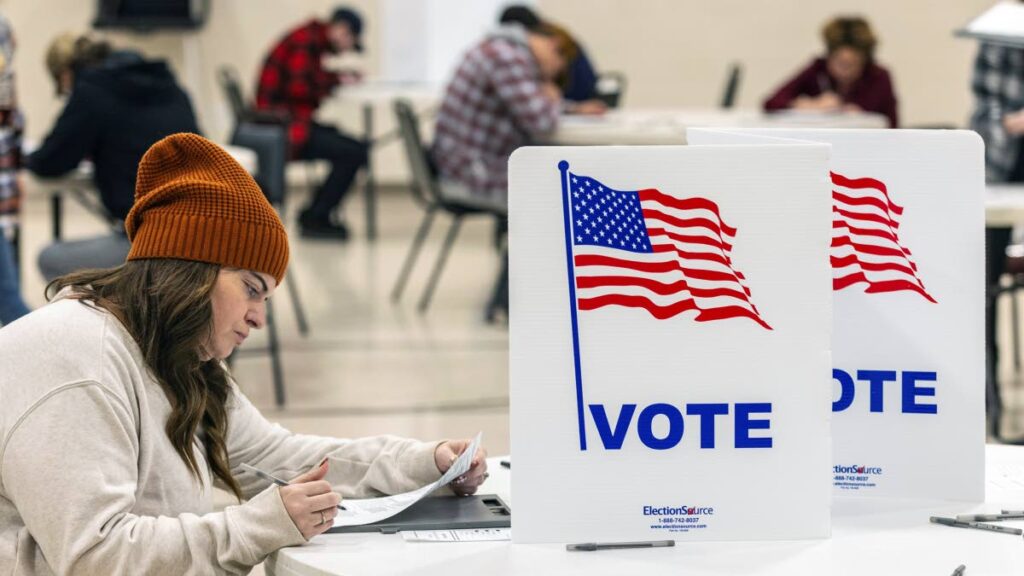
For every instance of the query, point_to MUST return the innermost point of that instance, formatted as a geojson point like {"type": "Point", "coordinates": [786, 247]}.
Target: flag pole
{"type": "Point", "coordinates": [563, 166]}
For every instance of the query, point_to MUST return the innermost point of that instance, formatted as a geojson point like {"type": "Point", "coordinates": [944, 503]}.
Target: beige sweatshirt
{"type": "Point", "coordinates": [90, 484]}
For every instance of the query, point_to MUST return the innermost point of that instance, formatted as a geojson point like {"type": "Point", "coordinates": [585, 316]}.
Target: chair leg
{"type": "Point", "coordinates": [275, 357]}
{"type": "Point", "coordinates": [499, 294]}
{"type": "Point", "coordinates": [414, 252]}
{"type": "Point", "coordinates": [1015, 329]}
{"type": "Point", "coordinates": [300, 313]}
{"type": "Point", "coordinates": [16, 249]}
{"type": "Point", "coordinates": [446, 248]}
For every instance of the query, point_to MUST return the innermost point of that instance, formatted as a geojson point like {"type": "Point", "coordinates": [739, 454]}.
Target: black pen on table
{"type": "Point", "coordinates": [271, 478]}
{"type": "Point", "coordinates": [592, 546]}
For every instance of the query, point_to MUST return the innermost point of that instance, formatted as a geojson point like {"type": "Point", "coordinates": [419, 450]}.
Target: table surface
{"type": "Point", "coordinates": [869, 536]}
{"type": "Point", "coordinates": [1004, 205]}
{"type": "Point", "coordinates": [374, 91]}
{"type": "Point", "coordinates": [668, 126]}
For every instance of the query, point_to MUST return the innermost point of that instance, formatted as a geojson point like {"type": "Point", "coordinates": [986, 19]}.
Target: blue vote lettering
{"type": "Point", "coordinates": [911, 391]}
{"type": "Point", "coordinates": [613, 436]}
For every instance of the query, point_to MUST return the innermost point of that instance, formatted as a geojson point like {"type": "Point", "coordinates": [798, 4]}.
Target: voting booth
{"type": "Point", "coordinates": [907, 260]}
{"type": "Point", "coordinates": [670, 331]}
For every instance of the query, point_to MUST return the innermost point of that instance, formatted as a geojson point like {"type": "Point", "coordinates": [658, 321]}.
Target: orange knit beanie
{"type": "Point", "coordinates": [193, 201]}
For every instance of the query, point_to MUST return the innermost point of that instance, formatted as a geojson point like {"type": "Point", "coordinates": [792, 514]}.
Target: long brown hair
{"type": "Point", "coordinates": [165, 305]}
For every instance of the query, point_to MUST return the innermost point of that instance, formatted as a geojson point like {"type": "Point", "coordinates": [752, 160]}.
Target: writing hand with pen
{"type": "Point", "coordinates": [310, 501]}
{"type": "Point", "coordinates": [448, 451]}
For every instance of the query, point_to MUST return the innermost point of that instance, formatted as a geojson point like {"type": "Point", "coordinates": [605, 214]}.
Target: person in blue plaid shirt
{"type": "Point", "coordinates": [12, 306]}
{"type": "Point", "coordinates": [998, 87]}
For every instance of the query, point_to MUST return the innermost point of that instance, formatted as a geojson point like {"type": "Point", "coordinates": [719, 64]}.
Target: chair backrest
{"type": "Point", "coordinates": [228, 78]}
{"type": "Point", "coordinates": [270, 143]}
{"type": "Point", "coordinates": [424, 180]}
{"type": "Point", "coordinates": [610, 87]}
{"type": "Point", "coordinates": [732, 85]}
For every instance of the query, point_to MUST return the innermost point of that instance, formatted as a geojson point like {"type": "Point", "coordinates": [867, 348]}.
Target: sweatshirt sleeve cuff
{"type": "Point", "coordinates": [419, 461]}
{"type": "Point", "coordinates": [264, 524]}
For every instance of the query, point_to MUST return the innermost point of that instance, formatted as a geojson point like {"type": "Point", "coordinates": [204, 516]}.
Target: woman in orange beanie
{"type": "Point", "coordinates": [118, 414]}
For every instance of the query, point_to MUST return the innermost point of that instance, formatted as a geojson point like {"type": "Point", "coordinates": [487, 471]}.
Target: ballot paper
{"type": "Point", "coordinates": [460, 535]}
{"type": "Point", "coordinates": [370, 510]}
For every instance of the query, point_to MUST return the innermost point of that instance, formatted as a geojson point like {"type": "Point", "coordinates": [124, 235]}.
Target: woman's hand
{"type": "Point", "coordinates": [310, 502]}
{"type": "Point", "coordinates": [445, 455]}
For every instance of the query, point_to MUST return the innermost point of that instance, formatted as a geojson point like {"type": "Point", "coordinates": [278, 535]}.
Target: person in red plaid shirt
{"type": "Point", "coordinates": [294, 82]}
{"type": "Point", "coordinates": [502, 96]}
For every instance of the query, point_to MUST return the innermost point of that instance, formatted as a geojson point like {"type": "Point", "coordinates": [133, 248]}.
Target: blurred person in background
{"type": "Point", "coordinates": [502, 96]}
{"type": "Point", "coordinates": [118, 105]}
{"type": "Point", "coordinates": [846, 79]}
{"type": "Point", "coordinates": [294, 82]}
{"type": "Point", "coordinates": [12, 306]}
{"type": "Point", "coordinates": [998, 87]}
{"type": "Point", "coordinates": [578, 80]}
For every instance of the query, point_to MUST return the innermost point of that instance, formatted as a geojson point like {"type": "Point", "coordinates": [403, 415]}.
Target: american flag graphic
{"type": "Point", "coordinates": [866, 248]}
{"type": "Point", "coordinates": [651, 250]}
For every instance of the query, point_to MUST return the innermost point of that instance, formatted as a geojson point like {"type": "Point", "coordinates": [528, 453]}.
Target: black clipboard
{"type": "Point", "coordinates": [442, 513]}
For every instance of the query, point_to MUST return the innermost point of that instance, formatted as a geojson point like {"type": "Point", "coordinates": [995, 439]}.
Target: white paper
{"type": "Point", "coordinates": [1008, 476]}
{"type": "Point", "coordinates": [370, 510]}
{"type": "Point", "coordinates": [461, 535]}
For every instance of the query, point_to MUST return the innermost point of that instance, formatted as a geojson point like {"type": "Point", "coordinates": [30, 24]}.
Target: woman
{"type": "Point", "coordinates": [846, 79]}
{"type": "Point", "coordinates": [118, 414]}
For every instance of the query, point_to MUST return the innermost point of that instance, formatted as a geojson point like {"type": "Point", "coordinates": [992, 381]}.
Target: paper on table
{"type": "Point", "coordinates": [460, 535]}
{"type": "Point", "coordinates": [370, 510]}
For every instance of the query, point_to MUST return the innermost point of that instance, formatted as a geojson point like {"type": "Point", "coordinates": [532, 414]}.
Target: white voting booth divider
{"type": "Point", "coordinates": [671, 321]}
{"type": "Point", "coordinates": [908, 335]}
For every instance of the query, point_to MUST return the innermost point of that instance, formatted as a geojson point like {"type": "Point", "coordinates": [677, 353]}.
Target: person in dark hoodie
{"type": "Point", "coordinates": [119, 104]}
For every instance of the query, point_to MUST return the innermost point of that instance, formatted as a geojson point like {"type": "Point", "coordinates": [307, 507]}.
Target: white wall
{"type": "Point", "coordinates": [674, 52]}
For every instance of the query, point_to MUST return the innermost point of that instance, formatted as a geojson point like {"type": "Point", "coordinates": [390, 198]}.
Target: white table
{"type": "Point", "coordinates": [1004, 205]}
{"type": "Point", "coordinates": [868, 537]}
{"type": "Point", "coordinates": [668, 126]}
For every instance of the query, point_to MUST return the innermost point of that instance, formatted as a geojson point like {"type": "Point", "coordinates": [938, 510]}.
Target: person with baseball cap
{"type": "Point", "coordinates": [119, 414]}
{"type": "Point", "coordinates": [293, 82]}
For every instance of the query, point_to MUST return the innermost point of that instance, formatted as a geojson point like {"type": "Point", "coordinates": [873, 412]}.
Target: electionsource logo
{"type": "Point", "coordinates": [678, 511]}
{"type": "Point", "coordinates": [855, 469]}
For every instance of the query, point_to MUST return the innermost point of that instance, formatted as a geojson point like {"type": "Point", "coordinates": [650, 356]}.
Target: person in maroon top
{"type": "Point", "coordinates": [847, 78]}
{"type": "Point", "coordinates": [293, 82]}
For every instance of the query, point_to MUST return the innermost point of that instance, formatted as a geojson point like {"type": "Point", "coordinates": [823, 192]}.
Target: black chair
{"type": "Point", "coordinates": [732, 85]}
{"type": "Point", "coordinates": [266, 134]}
{"type": "Point", "coordinates": [426, 189]}
{"type": "Point", "coordinates": [610, 87]}
{"type": "Point", "coordinates": [244, 113]}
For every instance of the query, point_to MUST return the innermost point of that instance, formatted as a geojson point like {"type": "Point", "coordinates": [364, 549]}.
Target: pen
{"type": "Point", "coordinates": [592, 546]}
{"type": "Point", "coordinates": [274, 479]}
{"type": "Point", "coordinates": [959, 570]}
{"type": "Point", "coordinates": [989, 517]}
{"type": "Point", "coordinates": [976, 525]}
